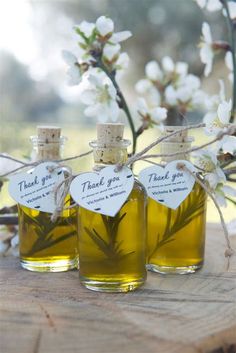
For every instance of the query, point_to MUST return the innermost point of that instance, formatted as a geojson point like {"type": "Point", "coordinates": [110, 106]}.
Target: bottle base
{"type": "Point", "coordinates": [181, 270]}
{"type": "Point", "coordinates": [112, 287]}
{"type": "Point", "coordinates": [49, 266]}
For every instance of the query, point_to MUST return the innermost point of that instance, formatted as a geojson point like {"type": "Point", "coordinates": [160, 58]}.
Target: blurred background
{"type": "Point", "coordinates": [33, 86]}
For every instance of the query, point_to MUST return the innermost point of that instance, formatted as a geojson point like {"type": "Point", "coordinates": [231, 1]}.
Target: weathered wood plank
{"type": "Point", "coordinates": [53, 313]}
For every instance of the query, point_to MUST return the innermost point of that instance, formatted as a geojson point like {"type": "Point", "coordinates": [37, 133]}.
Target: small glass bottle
{"type": "Point", "coordinates": [176, 237]}
{"type": "Point", "coordinates": [47, 246]}
{"type": "Point", "coordinates": [113, 249]}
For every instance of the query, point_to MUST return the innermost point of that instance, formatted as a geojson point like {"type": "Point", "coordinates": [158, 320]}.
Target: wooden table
{"type": "Point", "coordinates": [53, 313]}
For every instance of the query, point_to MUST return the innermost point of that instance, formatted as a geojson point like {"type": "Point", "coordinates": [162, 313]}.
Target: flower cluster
{"type": "Point", "coordinates": [207, 162]}
{"type": "Point", "coordinates": [220, 111]}
{"type": "Point", "coordinates": [169, 86]}
{"type": "Point", "coordinates": [97, 92]}
{"type": "Point", "coordinates": [100, 60]}
{"type": "Point", "coordinates": [99, 45]}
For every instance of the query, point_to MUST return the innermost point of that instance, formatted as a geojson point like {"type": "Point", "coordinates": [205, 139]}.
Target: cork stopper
{"type": "Point", "coordinates": [110, 147]}
{"type": "Point", "coordinates": [181, 136]}
{"type": "Point", "coordinates": [110, 134]}
{"type": "Point", "coordinates": [48, 134]}
{"type": "Point", "coordinates": [177, 143]}
{"type": "Point", "coordinates": [47, 143]}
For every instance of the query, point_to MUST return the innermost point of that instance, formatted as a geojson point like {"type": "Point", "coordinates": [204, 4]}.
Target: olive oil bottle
{"type": "Point", "coordinates": [47, 246]}
{"type": "Point", "coordinates": [113, 249]}
{"type": "Point", "coordinates": [176, 237]}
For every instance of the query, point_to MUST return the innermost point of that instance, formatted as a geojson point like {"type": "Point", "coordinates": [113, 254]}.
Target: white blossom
{"type": "Point", "coordinates": [86, 28]}
{"type": "Point", "coordinates": [69, 58]}
{"type": "Point", "coordinates": [111, 51]}
{"type": "Point", "coordinates": [185, 90]}
{"type": "Point", "coordinates": [171, 95]}
{"type": "Point", "coordinates": [232, 10]}
{"type": "Point", "coordinates": [201, 3]}
{"type": "Point", "coordinates": [156, 114]}
{"type": "Point", "coordinates": [168, 64]}
{"type": "Point", "coordinates": [206, 49]}
{"type": "Point", "coordinates": [170, 85]}
{"type": "Point", "coordinates": [198, 98]}
{"type": "Point", "coordinates": [73, 72]}
{"type": "Point", "coordinates": [207, 162]}
{"type": "Point", "coordinates": [122, 62]}
{"type": "Point", "coordinates": [146, 87]}
{"type": "Point", "coordinates": [143, 86]}
{"type": "Point", "coordinates": [98, 93]}
{"type": "Point", "coordinates": [221, 192]}
{"type": "Point", "coordinates": [120, 36]}
{"type": "Point", "coordinates": [218, 120]}
{"type": "Point", "coordinates": [153, 71]}
{"type": "Point", "coordinates": [104, 26]}
{"type": "Point", "coordinates": [229, 64]}
{"type": "Point", "coordinates": [212, 102]}
{"type": "Point", "coordinates": [192, 82]}
{"type": "Point", "coordinates": [210, 5]}
{"type": "Point", "coordinates": [181, 68]}
{"type": "Point", "coordinates": [228, 144]}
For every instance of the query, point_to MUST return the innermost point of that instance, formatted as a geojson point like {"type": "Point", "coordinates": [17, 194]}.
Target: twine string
{"type": "Point", "coordinates": [34, 164]}
{"type": "Point", "coordinates": [142, 155]}
{"type": "Point", "coordinates": [61, 191]}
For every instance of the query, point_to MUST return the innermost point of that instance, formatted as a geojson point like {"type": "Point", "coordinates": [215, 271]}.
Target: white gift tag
{"type": "Point", "coordinates": [103, 192]}
{"type": "Point", "coordinates": [35, 187]}
{"type": "Point", "coordinates": [168, 185]}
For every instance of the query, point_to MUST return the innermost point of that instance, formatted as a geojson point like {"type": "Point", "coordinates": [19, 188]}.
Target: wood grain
{"type": "Point", "coordinates": [53, 313]}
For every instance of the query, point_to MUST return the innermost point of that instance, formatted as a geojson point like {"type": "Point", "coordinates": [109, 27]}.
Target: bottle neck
{"type": "Point", "coordinates": [105, 155]}
{"type": "Point", "coordinates": [46, 151]}
{"type": "Point", "coordinates": [174, 147]}
{"type": "Point", "coordinates": [169, 149]}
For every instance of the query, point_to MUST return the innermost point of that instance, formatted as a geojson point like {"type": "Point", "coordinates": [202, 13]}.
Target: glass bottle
{"type": "Point", "coordinates": [113, 249]}
{"type": "Point", "coordinates": [176, 237]}
{"type": "Point", "coordinates": [47, 246]}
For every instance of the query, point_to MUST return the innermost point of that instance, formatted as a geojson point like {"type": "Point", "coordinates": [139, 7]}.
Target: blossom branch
{"type": "Point", "coordinates": [122, 103]}
{"type": "Point", "coordinates": [231, 34]}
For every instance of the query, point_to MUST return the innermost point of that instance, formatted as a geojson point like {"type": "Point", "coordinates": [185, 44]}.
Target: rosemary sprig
{"type": "Point", "coordinates": [45, 230]}
{"type": "Point", "coordinates": [39, 245]}
{"type": "Point", "coordinates": [185, 214]}
{"type": "Point", "coordinates": [111, 247]}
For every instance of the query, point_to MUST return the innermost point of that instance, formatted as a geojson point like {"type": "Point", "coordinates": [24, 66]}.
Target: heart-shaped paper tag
{"type": "Point", "coordinates": [35, 187]}
{"type": "Point", "coordinates": [104, 192]}
{"type": "Point", "coordinates": [168, 185]}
